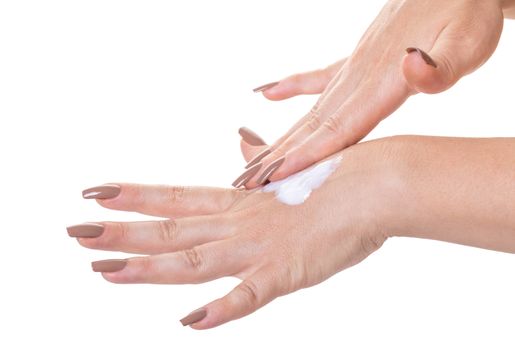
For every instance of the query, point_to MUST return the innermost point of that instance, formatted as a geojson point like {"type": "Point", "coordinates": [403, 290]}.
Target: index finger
{"type": "Point", "coordinates": [163, 200]}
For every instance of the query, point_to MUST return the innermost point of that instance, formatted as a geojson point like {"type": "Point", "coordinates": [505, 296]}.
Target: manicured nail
{"type": "Point", "coordinates": [110, 265]}
{"type": "Point", "coordinates": [269, 170]}
{"type": "Point", "coordinates": [265, 87]}
{"type": "Point", "coordinates": [193, 317]}
{"type": "Point", "coordinates": [247, 175]}
{"type": "Point", "coordinates": [424, 55]}
{"type": "Point", "coordinates": [101, 192]}
{"type": "Point", "coordinates": [85, 230]}
{"type": "Point", "coordinates": [251, 137]}
{"type": "Point", "coordinates": [258, 157]}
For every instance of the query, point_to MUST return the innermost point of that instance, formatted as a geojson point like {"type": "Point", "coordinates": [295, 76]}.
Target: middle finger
{"type": "Point", "coordinates": [152, 237]}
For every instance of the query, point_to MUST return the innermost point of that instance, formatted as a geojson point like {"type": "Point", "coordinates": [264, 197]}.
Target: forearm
{"type": "Point", "coordinates": [458, 190]}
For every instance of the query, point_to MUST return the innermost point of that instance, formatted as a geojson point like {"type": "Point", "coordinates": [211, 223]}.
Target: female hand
{"type": "Point", "coordinates": [273, 247]}
{"type": "Point", "coordinates": [381, 188]}
{"type": "Point", "coordinates": [444, 40]}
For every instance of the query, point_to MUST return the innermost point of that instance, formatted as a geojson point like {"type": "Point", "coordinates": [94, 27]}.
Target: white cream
{"type": "Point", "coordinates": [296, 188]}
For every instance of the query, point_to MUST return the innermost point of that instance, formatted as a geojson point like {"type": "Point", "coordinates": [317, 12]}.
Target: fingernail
{"type": "Point", "coordinates": [265, 87]}
{"type": "Point", "coordinates": [110, 265]}
{"type": "Point", "coordinates": [85, 230]}
{"type": "Point", "coordinates": [424, 55]}
{"type": "Point", "coordinates": [101, 192]}
{"type": "Point", "coordinates": [193, 317]}
{"type": "Point", "coordinates": [247, 175]}
{"type": "Point", "coordinates": [251, 137]}
{"type": "Point", "coordinates": [269, 170]}
{"type": "Point", "coordinates": [258, 157]}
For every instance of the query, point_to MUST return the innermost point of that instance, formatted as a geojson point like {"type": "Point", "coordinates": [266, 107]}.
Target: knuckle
{"type": "Point", "coordinates": [193, 258]}
{"type": "Point", "coordinates": [333, 124]}
{"type": "Point", "coordinates": [314, 121]}
{"type": "Point", "coordinates": [168, 230]}
{"type": "Point", "coordinates": [315, 106]}
{"type": "Point", "coordinates": [146, 266]}
{"type": "Point", "coordinates": [292, 271]}
{"type": "Point", "coordinates": [176, 193]}
{"type": "Point", "coordinates": [248, 290]}
{"type": "Point", "coordinates": [123, 230]}
{"type": "Point", "coordinates": [370, 243]}
{"type": "Point", "coordinates": [450, 74]}
{"type": "Point", "coordinates": [235, 197]}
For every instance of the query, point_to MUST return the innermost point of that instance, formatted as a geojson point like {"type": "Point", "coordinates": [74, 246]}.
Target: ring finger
{"type": "Point", "coordinates": [198, 264]}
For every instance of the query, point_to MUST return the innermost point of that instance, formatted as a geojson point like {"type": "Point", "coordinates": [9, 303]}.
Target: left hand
{"type": "Point", "coordinates": [274, 248]}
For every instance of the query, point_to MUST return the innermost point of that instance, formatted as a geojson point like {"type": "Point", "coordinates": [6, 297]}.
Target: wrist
{"type": "Point", "coordinates": [412, 172]}
{"type": "Point", "coordinates": [398, 166]}
{"type": "Point", "coordinates": [383, 166]}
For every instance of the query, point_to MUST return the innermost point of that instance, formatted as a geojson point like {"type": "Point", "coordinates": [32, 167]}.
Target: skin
{"type": "Point", "coordinates": [508, 7]}
{"type": "Point", "coordinates": [359, 91]}
{"type": "Point", "coordinates": [382, 188]}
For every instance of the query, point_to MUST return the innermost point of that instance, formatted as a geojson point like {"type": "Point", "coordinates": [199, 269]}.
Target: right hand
{"type": "Point", "coordinates": [360, 91]}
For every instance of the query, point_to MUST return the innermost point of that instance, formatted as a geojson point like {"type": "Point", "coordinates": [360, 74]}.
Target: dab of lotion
{"type": "Point", "coordinates": [296, 188]}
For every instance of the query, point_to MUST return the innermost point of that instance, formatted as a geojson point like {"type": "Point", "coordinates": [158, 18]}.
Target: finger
{"type": "Point", "coordinates": [281, 149]}
{"type": "Point", "coordinates": [327, 104]}
{"type": "Point", "coordinates": [251, 294]}
{"type": "Point", "coordinates": [328, 92]}
{"type": "Point", "coordinates": [262, 154]}
{"type": "Point", "coordinates": [313, 82]}
{"type": "Point", "coordinates": [251, 143]}
{"type": "Point", "coordinates": [349, 124]}
{"type": "Point", "coordinates": [251, 137]}
{"type": "Point", "coordinates": [198, 264]}
{"type": "Point", "coordinates": [249, 151]}
{"type": "Point", "coordinates": [458, 50]}
{"type": "Point", "coordinates": [154, 237]}
{"type": "Point", "coordinates": [171, 201]}
{"type": "Point", "coordinates": [255, 154]}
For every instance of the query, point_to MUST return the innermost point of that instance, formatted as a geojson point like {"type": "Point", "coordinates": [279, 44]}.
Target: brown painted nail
{"type": "Point", "coordinates": [110, 265]}
{"type": "Point", "coordinates": [247, 175]}
{"type": "Point", "coordinates": [424, 55]}
{"type": "Point", "coordinates": [251, 137]}
{"type": "Point", "coordinates": [101, 192]}
{"type": "Point", "coordinates": [265, 87]}
{"type": "Point", "coordinates": [269, 170]}
{"type": "Point", "coordinates": [193, 317]}
{"type": "Point", "coordinates": [85, 230]}
{"type": "Point", "coordinates": [258, 157]}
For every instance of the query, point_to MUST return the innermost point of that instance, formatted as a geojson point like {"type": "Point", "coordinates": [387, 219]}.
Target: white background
{"type": "Point", "coordinates": [154, 92]}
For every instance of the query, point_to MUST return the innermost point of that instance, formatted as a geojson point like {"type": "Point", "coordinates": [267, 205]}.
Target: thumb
{"type": "Point", "coordinates": [453, 55]}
